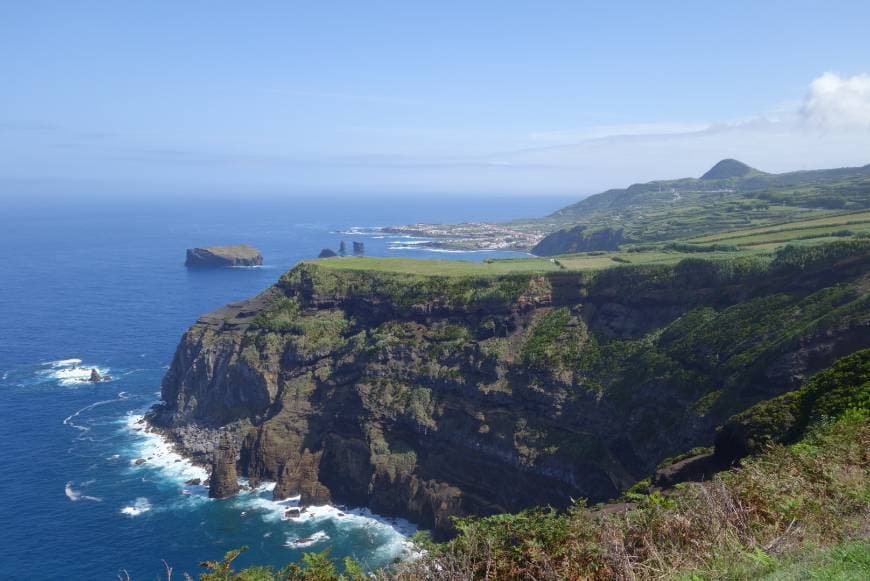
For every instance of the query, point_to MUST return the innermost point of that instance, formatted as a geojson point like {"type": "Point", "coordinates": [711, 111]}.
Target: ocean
{"type": "Point", "coordinates": [88, 283]}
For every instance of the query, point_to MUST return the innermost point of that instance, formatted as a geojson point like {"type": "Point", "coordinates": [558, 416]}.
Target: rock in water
{"type": "Point", "coordinates": [223, 256]}
{"type": "Point", "coordinates": [95, 376]}
{"type": "Point", "coordinates": [327, 253]}
{"type": "Point", "coordinates": [224, 481]}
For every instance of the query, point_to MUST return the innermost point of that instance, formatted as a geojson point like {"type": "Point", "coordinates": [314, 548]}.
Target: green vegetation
{"type": "Point", "coordinates": [555, 342]}
{"type": "Point", "coordinates": [314, 567]}
{"type": "Point", "coordinates": [829, 394]}
{"type": "Point", "coordinates": [309, 333]}
{"type": "Point", "coordinates": [796, 511]}
{"type": "Point", "coordinates": [798, 508]}
{"type": "Point", "coordinates": [686, 208]}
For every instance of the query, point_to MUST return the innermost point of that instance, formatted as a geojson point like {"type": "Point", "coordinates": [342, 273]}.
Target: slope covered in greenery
{"type": "Point", "coordinates": [728, 197]}
{"type": "Point", "coordinates": [791, 511]}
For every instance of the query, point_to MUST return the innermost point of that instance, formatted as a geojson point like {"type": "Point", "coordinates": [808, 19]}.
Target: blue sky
{"type": "Point", "coordinates": [454, 97]}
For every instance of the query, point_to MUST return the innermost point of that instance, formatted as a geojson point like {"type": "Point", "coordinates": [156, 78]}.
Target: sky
{"type": "Point", "coordinates": [507, 97]}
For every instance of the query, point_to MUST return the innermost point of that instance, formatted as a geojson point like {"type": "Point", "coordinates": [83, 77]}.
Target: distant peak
{"type": "Point", "coordinates": [729, 168]}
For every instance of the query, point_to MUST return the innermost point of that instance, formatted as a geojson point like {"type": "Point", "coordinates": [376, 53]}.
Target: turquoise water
{"type": "Point", "coordinates": [102, 285]}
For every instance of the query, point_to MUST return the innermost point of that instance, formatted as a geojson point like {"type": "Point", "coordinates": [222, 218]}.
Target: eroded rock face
{"type": "Point", "coordinates": [429, 398]}
{"type": "Point", "coordinates": [300, 477]}
{"type": "Point", "coordinates": [223, 256]}
{"type": "Point", "coordinates": [224, 480]}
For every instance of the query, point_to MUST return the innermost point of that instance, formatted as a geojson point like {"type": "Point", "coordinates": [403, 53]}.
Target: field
{"type": "Point", "coordinates": [718, 246]}
{"type": "Point", "coordinates": [855, 223]}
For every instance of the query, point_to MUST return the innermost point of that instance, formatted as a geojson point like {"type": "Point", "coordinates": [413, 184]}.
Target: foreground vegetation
{"type": "Point", "coordinates": [799, 508]}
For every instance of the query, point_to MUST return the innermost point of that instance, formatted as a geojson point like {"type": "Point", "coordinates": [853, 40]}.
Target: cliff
{"type": "Point", "coordinates": [431, 395]}
{"type": "Point", "coordinates": [223, 256]}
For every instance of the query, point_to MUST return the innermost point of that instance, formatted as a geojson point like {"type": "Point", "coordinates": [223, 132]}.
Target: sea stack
{"type": "Point", "coordinates": [327, 253]}
{"type": "Point", "coordinates": [223, 256]}
{"type": "Point", "coordinates": [224, 481]}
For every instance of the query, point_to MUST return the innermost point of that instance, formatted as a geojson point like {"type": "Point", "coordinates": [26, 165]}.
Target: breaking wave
{"type": "Point", "coordinates": [75, 495]}
{"type": "Point", "coordinates": [140, 506]}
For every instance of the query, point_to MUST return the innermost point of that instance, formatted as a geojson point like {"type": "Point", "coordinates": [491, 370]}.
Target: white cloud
{"type": "Point", "coordinates": [838, 102]}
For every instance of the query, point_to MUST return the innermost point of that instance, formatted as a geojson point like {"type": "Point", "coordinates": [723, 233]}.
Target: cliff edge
{"type": "Point", "coordinates": [432, 395]}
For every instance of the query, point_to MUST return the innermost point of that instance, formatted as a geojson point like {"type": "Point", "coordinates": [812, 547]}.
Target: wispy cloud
{"type": "Point", "coordinates": [829, 127]}
{"type": "Point", "coordinates": [326, 95]}
{"type": "Point", "coordinates": [619, 130]}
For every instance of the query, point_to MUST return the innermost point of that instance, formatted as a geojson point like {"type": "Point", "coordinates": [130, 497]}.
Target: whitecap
{"type": "Point", "coordinates": [161, 455]}
{"type": "Point", "coordinates": [64, 362]}
{"type": "Point", "coordinates": [69, 372]}
{"type": "Point", "coordinates": [304, 542]}
{"type": "Point", "coordinates": [75, 495]}
{"type": "Point", "coordinates": [389, 536]}
{"type": "Point", "coordinates": [140, 506]}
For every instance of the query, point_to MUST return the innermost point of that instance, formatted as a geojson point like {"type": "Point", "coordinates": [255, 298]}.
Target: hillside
{"type": "Point", "coordinates": [418, 389]}
{"type": "Point", "coordinates": [795, 509]}
{"type": "Point", "coordinates": [730, 168]}
{"type": "Point", "coordinates": [730, 195]}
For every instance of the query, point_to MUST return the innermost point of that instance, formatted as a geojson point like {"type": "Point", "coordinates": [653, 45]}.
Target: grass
{"type": "Point", "coordinates": [856, 222]}
{"type": "Point", "coordinates": [796, 510]}
{"type": "Point", "coordinates": [678, 209]}
{"type": "Point", "coordinates": [493, 268]}
{"type": "Point", "coordinates": [437, 267]}
{"type": "Point", "coordinates": [751, 241]}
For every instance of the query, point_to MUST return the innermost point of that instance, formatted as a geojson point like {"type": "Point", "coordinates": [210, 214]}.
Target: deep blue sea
{"type": "Point", "coordinates": [101, 284]}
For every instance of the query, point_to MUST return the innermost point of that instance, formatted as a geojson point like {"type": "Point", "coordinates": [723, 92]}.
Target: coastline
{"type": "Point", "coordinates": [162, 450]}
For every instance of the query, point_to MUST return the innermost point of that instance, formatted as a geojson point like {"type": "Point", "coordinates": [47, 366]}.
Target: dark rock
{"type": "Point", "coordinates": [95, 376]}
{"type": "Point", "coordinates": [193, 482]}
{"type": "Point", "coordinates": [224, 481]}
{"type": "Point", "coordinates": [223, 256]}
{"type": "Point", "coordinates": [694, 468]}
{"type": "Point", "coordinates": [359, 249]}
{"type": "Point", "coordinates": [292, 513]}
{"type": "Point", "coordinates": [299, 476]}
{"type": "Point", "coordinates": [139, 461]}
{"type": "Point", "coordinates": [327, 253]}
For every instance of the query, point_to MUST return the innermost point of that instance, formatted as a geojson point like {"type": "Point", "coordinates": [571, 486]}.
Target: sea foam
{"type": "Point", "coordinates": [388, 536]}
{"type": "Point", "coordinates": [159, 453]}
{"type": "Point", "coordinates": [140, 506]}
{"type": "Point", "coordinates": [75, 495]}
{"type": "Point", "coordinates": [69, 372]}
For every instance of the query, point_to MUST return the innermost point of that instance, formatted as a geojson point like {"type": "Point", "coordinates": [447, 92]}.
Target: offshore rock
{"type": "Point", "coordinates": [223, 256]}
{"type": "Point", "coordinates": [224, 481]}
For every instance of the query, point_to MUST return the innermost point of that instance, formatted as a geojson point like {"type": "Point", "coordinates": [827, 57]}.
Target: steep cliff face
{"type": "Point", "coordinates": [433, 396]}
